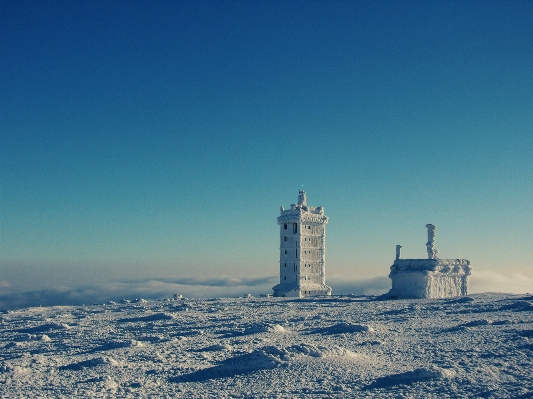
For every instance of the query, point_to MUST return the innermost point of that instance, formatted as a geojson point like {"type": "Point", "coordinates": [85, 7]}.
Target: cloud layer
{"type": "Point", "coordinates": [188, 286]}
{"type": "Point", "coordinates": [488, 281]}
{"type": "Point", "coordinates": [228, 286]}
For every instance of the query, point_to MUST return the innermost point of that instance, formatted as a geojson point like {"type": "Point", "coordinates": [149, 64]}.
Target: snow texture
{"type": "Point", "coordinates": [327, 347]}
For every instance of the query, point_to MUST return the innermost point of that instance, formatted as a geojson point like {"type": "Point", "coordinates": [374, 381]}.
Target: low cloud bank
{"type": "Point", "coordinates": [191, 287]}
{"type": "Point", "coordinates": [188, 286]}
{"type": "Point", "coordinates": [342, 284]}
{"type": "Point", "coordinates": [228, 286]}
{"type": "Point", "coordinates": [488, 281]}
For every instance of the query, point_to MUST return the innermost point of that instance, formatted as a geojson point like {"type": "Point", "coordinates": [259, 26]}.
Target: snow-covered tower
{"type": "Point", "coordinates": [302, 259]}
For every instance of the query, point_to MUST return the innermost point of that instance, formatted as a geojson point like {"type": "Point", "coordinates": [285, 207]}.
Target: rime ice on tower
{"type": "Point", "coordinates": [431, 277]}
{"type": "Point", "coordinates": [302, 258]}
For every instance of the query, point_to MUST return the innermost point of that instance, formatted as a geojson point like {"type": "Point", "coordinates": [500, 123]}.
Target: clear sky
{"type": "Point", "coordinates": [149, 139]}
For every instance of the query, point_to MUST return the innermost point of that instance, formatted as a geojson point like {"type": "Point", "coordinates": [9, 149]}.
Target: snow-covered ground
{"type": "Point", "coordinates": [475, 346]}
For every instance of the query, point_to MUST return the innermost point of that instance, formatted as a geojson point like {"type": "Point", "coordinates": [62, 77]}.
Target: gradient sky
{"type": "Point", "coordinates": [159, 138]}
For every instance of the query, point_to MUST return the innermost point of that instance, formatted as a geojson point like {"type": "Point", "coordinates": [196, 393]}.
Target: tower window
{"type": "Point", "coordinates": [285, 238]}
{"type": "Point", "coordinates": [285, 252]}
{"type": "Point", "coordinates": [295, 228]}
{"type": "Point", "coordinates": [285, 226]}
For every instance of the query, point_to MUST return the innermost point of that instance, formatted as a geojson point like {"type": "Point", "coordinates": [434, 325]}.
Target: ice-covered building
{"type": "Point", "coordinates": [302, 258]}
{"type": "Point", "coordinates": [428, 278]}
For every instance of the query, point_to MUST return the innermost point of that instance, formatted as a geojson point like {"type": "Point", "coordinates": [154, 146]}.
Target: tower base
{"type": "Point", "coordinates": [300, 291]}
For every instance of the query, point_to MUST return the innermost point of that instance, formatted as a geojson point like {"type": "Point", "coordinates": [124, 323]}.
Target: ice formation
{"type": "Point", "coordinates": [428, 278]}
{"type": "Point", "coordinates": [430, 245]}
{"type": "Point", "coordinates": [302, 251]}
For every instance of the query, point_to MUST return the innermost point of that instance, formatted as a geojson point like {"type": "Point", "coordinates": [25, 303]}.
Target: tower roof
{"type": "Point", "coordinates": [301, 212]}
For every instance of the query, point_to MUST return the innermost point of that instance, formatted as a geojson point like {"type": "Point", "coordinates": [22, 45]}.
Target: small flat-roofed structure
{"type": "Point", "coordinates": [428, 278]}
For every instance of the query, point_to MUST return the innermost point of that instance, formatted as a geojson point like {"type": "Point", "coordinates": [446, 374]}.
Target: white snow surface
{"type": "Point", "coordinates": [336, 347]}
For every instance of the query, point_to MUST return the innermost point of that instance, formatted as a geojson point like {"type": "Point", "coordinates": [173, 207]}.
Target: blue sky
{"type": "Point", "coordinates": [155, 139]}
